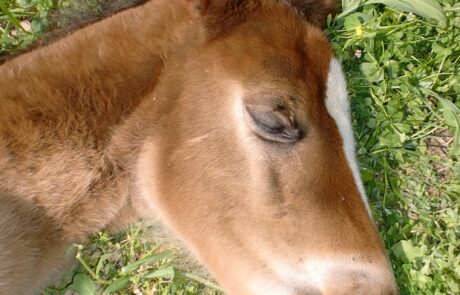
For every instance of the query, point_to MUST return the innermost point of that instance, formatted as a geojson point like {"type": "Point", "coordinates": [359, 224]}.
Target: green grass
{"type": "Point", "coordinates": [21, 22]}
{"type": "Point", "coordinates": [404, 82]}
{"type": "Point", "coordinates": [130, 263]}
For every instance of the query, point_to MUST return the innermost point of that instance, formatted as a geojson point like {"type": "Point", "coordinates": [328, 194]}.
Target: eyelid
{"type": "Point", "coordinates": [273, 123]}
{"type": "Point", "coordinates": [268, 123]}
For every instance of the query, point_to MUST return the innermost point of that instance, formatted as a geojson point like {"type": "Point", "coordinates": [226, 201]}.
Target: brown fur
{"type": "Point", "coordinates": [132, 116]}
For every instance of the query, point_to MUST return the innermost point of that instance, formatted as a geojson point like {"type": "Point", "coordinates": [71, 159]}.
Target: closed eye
{"type": "Point", "coordinates": [273, 124]}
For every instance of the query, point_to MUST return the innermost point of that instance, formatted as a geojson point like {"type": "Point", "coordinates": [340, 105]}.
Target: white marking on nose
{"type": "Point", "coordinates": [329, 274]}
{"type": "Point", "coordinates": [338, 107]}
{"type": "Point", "coordinates": [322, 275]}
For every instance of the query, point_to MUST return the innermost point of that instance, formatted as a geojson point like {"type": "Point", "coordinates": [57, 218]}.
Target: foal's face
{"type": "Point", "coordinates": [254, 166]}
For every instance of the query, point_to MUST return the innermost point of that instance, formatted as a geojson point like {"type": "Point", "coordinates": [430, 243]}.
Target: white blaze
{"type": "Point", "coordinates": [338, 107]}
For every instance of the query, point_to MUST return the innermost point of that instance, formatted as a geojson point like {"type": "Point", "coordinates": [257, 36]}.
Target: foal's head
{"type": "Point", "coordinates": [252, 160]}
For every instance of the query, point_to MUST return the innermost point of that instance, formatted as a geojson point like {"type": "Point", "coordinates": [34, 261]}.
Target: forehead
{"type": "Point", "coordinates": [275, 42]}
{"type": "Point", "coordinates": [276, 51]}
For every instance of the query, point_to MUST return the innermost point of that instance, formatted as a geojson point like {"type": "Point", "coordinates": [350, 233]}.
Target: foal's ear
{"type": "Point", "coordinates": [221, 15]}
{"type": "Point", "coordinates": [315, 11]}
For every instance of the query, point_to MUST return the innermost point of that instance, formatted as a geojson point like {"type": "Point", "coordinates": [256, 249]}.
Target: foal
{"type": "Point", "coordinates": [226, 119]}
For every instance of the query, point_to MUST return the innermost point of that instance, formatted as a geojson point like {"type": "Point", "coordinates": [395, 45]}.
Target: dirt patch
{"type": "Point", "coordinates": [438, 146]}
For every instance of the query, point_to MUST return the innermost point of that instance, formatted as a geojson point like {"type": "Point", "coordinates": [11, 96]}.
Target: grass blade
{"type": "Point", "coordinates": [203, 281]}
{"type": "Point", "coordinates": [146, 260]}
{"type": "Point", "coordinates": [11, 17]}
{"type": "Point", "coordinates": [117, 285]}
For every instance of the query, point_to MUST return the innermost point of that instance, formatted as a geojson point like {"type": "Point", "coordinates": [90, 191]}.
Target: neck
{"type": "Point", "coordinates": [63, 103]}
{"type": "Point", "coordinates": [101, 71]}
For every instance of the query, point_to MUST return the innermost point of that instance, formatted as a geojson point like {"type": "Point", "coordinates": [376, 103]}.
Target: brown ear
{"type": "Point", "coordinates": [315, 11]}
{"type": "Point", "coordinates": [222, 15]}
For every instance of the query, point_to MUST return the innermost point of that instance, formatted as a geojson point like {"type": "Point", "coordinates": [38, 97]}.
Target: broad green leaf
{"type": "Point", "coordinates": [348, 6]}
{"type": "Point", "coordinates": [146, 260]}
{"type": "Point", "coordinates": [351, 22]}
{"type": "Point", "coordinates": [371, 71]}
{"type": "Point", "coordinates": [367, 68]}
{"type": "Point", "coordinates": [117, 285]}
{"type": "Point", "coordinates": [406, 250]}
{"type": "Point", "coordinates": [39, 25]}
{"type": "Point", "coordinates": [452, 117]}
{"type": "Point", "coordinates": [429, 9]}
{"type": "Point", "coordinates": [451, 113]}
{"type": "Point", "coordinates": [83, 285]}
{"type": "Point", "coordinates": [166, 273]}
{"type": "Point", "coordinates": [441, 50]}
